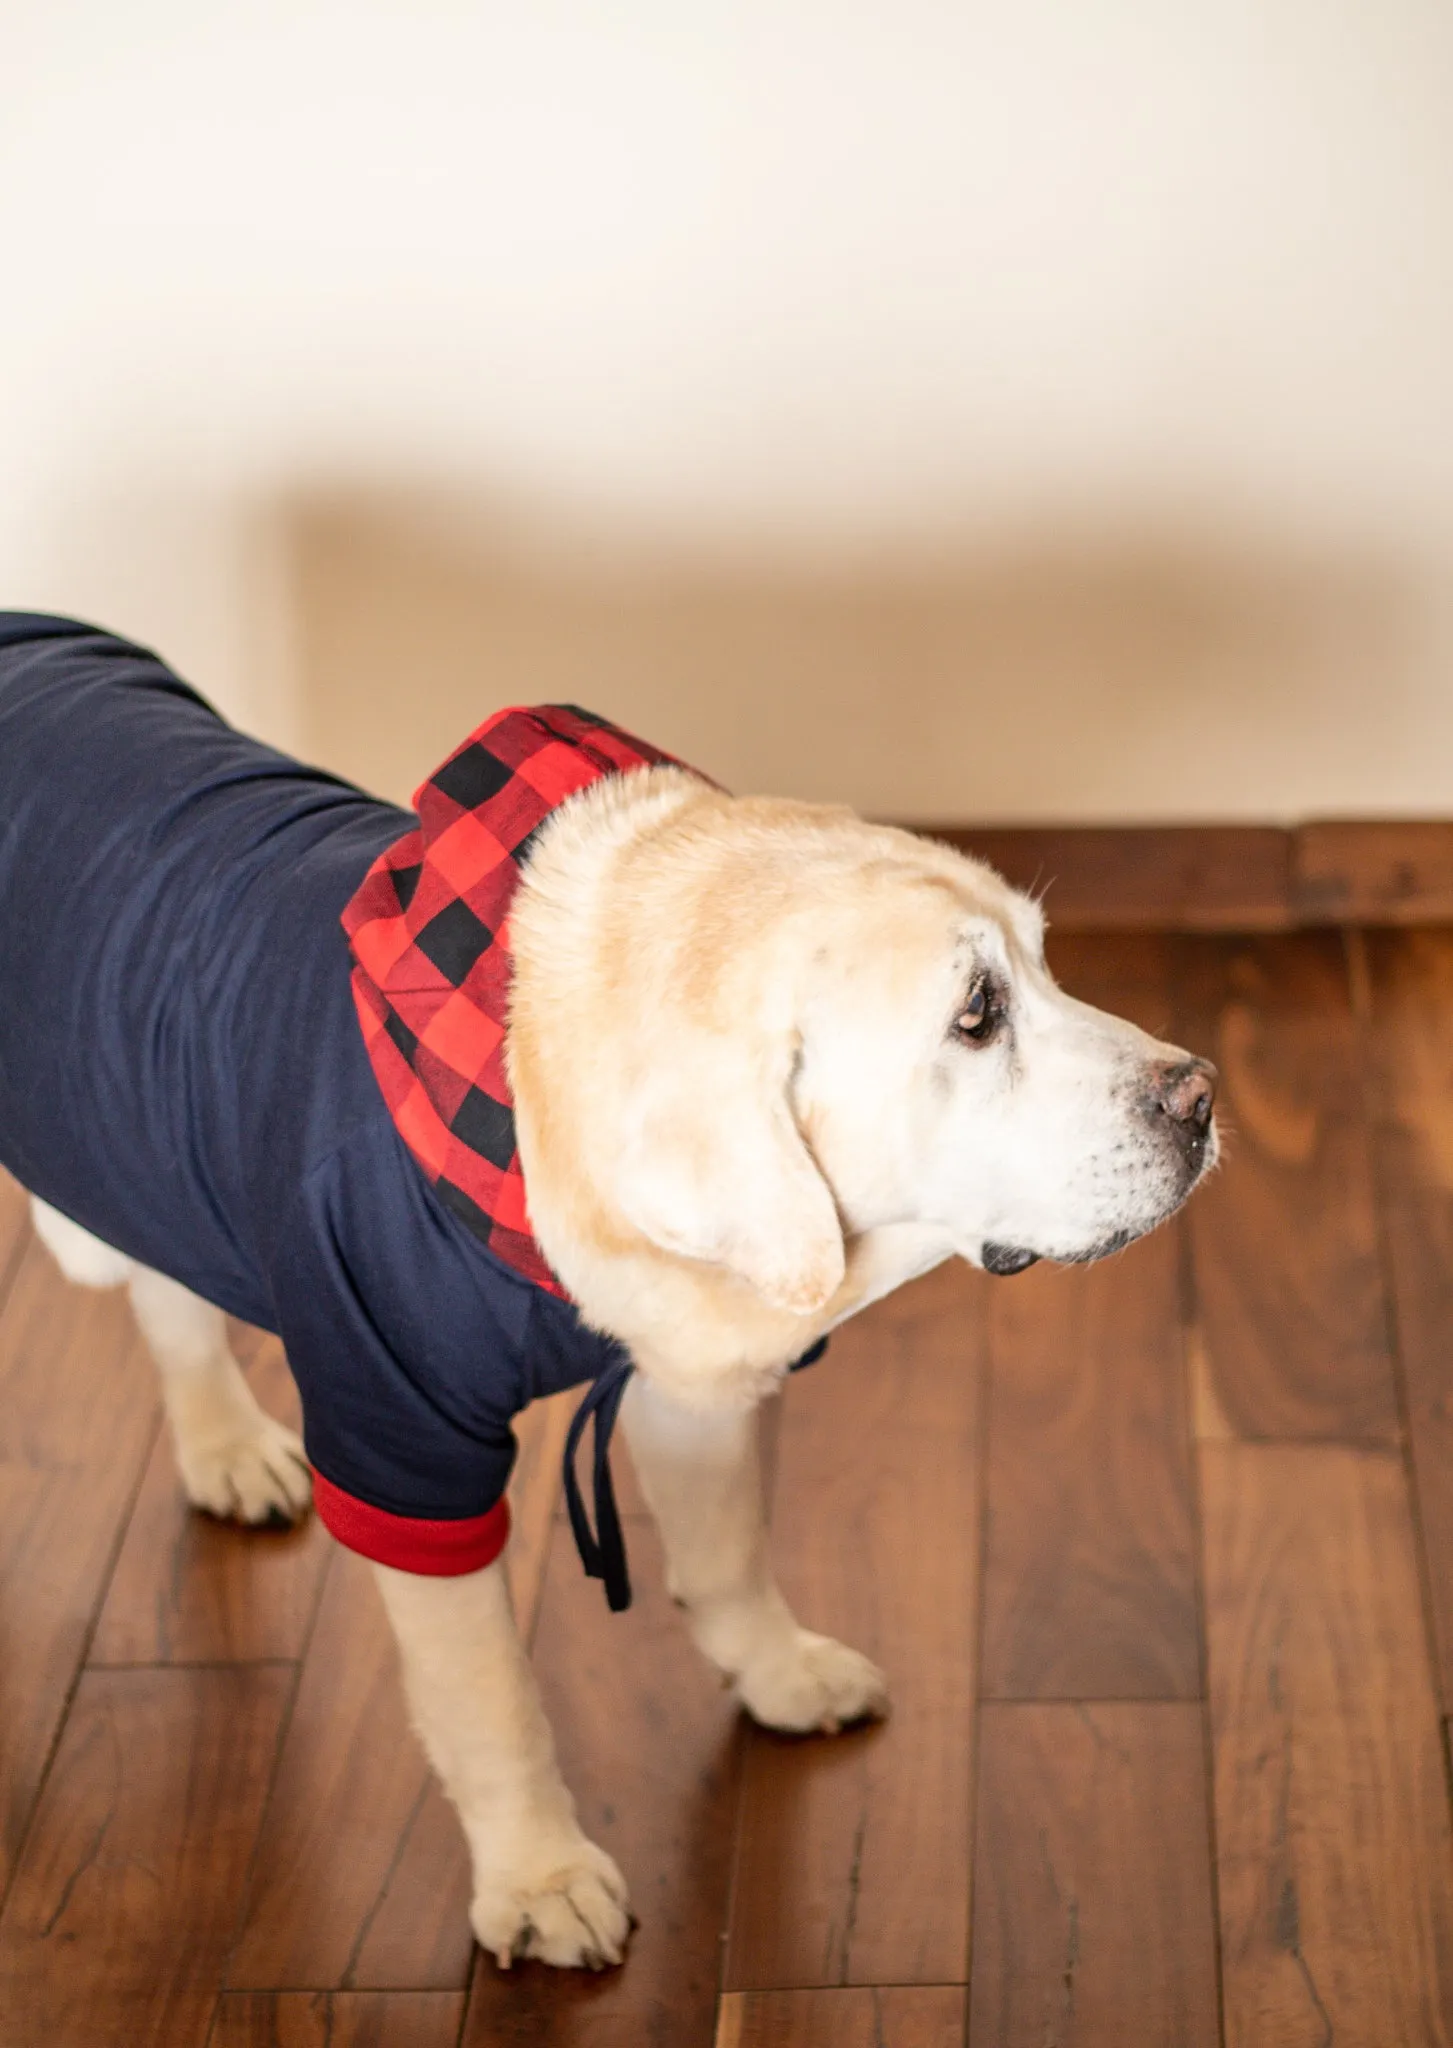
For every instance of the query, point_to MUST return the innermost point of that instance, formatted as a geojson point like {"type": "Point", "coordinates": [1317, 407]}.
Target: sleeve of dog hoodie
{"type": "Point", "coordinates": [413, 1350]}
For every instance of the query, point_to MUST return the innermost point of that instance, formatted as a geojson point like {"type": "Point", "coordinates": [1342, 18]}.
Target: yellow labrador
{"type": "Point", "coordinates": [768, 1063]}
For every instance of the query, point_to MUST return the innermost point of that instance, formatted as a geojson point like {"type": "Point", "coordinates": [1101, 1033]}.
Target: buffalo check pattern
{"type": "Point", "coordinates": [429, 934]}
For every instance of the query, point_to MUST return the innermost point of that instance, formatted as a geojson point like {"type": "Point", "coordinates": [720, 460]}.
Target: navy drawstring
{"type": "Point", "coordinates": [603, 1553]}
{"type": "Point", "coordinates": [603, 1549]}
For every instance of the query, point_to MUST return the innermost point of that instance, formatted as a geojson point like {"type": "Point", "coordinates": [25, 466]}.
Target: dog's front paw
{"type": "Point", "coordinates": [567, 1908]}
{"type": "Point", "coordinates": [258, 1475]}
{"type": "Point", "coordinates": [810, 1682]}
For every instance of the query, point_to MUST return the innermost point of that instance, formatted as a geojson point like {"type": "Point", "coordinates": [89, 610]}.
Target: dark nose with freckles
{"type": "Point", "coordinates": [1184, 1093]}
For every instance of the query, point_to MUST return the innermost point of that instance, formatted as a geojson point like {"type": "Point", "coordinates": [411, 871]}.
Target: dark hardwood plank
{"type": "Point", "coordinates": [1093, 1921]}
{"type": "Point", "coordinates": [119, 1917]}
{"type": "Point", "coordinates": [1291, 1314]}
{"type": "Point", "coordinates": [895, 2016]}
{"type": "Point", "coordinates": [649, 1743]}
{"type": "Point", "coordinates": [1410, 986]}
{"type": "Point", "coordinates": [1089, 1587]}
{"type": "Point", "coordinates": [1373, 871]}
{"type": "Point", "coordinates": [362, 1876]}
{"type": "Point", "coordinates": [1142, 877]}
{"type": "Point", "coordinates": [1334, 1852]}
{"type": "Point", "coordinates": [337, 2019]}
{"type": "Point", "coordinates": [1225, 878]}
{"type": "Point", "coordinates": [1089, 1579]}
{"type": "Point", "coordinates": [852, 1863]}
{"type": "Point", "coordinates": [188, 1589]}
{"type": "Point", "coordinates": [78, 1410]}
{"type": "Point", "coordinates": [1129, 973]}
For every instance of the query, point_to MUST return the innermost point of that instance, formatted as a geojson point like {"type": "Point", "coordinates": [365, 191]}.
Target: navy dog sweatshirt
{"type": "Point", "coordinates": [182, 1069]}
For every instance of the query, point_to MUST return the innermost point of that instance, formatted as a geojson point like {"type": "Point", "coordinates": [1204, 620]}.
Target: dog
{"type": "Point", "coordinates": [585, 1071]}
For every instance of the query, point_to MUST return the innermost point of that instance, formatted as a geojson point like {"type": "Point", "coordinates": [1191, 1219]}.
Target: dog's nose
{"type": "Point", "coordinates": [1186, 1093]}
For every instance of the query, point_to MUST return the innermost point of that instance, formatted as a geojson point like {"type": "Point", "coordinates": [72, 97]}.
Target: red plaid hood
{"type": "Point", "coordinates": [429, 933]}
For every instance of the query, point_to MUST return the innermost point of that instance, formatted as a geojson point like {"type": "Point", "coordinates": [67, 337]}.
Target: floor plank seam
{"type": "Point", "coordinates": [734, 1860]}
{"type": "Point", "coordinates": [827, 1990]}
{"type": "Point", "coordinates": [123, 1523]}
{"type": "Point", "coordinates": [1360, 983]}
{"type": "Point", "coordinates": [351, 1990]}
{"type": "Point", "coordinates": [13, 1263]}
{"type": "Point", "coordinates": [365, 1925]}
{"type": "Point", "coordinates": [740, 1745]}
{"type": "Point", "coordinates": [985, 1410]}
{"type": "Point", "coordinates": [1093, 1699]}
{"type": "Point", "coordinates": [743, 1737]}
{"type": "Point", "coordinates": [1189, 1305]}
{"type": "Point", "coordinates": [1372, 1446]}
{"type": "Point", "coordinates": [265, 1807]}
{"type": "Point", "coordinates": [189, 1663]}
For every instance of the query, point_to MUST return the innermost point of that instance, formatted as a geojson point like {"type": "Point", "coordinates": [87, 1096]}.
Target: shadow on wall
{"type": "Point", "coordinates": [1138, 679]}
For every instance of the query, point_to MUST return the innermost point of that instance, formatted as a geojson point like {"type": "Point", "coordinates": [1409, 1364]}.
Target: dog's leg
{"type": "Point", "coordinates": [700, 1472]}
{"type": "Point", "coordinates": [81, 1257]}
{"type": "Point", "coordinates": [541, 1887]}
{"type": "Point", "coordinates": [235, 1460]}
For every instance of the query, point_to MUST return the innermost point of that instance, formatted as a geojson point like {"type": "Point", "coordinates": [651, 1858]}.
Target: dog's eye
{"type": "Point", "coordinates": [976, 1020]}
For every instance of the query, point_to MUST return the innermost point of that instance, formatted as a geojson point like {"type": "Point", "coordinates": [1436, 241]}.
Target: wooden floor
{"type": "Point", "coordinates": [1159, 1557]}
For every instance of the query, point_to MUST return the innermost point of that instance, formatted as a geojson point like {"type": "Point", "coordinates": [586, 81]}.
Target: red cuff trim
{"type": "Point", "coordinates": [411, 1543]}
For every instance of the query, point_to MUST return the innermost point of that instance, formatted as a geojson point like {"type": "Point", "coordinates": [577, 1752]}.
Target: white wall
{"type": "Point", "coordinates": [776, 278]}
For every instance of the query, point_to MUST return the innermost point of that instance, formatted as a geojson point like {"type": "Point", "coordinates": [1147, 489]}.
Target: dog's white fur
{"type": "Point", "coordinates": [744, 1112]}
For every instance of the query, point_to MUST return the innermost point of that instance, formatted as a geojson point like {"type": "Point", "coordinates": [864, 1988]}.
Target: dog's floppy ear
{"type": "Point", "coordinates": [717, 1169]}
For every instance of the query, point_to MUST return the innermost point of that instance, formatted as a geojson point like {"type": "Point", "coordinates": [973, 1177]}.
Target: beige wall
{"type": "Point", "coordinates": [1160, 678]}
{"type": "Point", "coordinates": [1012, 413]}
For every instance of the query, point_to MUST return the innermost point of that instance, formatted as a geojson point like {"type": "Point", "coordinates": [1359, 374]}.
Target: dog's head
{"type": "Point", "coordinates": [1025, 1123]}
{"type": "Point", "coordinates": [886, 1046]}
